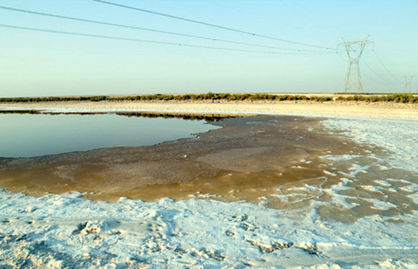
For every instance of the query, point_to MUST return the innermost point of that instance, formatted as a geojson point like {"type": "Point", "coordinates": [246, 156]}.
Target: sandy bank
{"type": "Point", "coordinates": [379, 109]}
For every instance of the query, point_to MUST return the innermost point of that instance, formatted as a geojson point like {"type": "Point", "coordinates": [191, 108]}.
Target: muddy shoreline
{"type": "Point", "coordinates": [283, 162]}
{"type": "Point", "coordinates": [247, 158]}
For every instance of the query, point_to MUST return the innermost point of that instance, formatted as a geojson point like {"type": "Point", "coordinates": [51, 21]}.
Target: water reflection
{"type": "Point", "coordinates": [35, 134]}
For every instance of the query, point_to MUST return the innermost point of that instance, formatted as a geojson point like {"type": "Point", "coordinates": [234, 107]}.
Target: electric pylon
{"type": "Point", "coordinates": [408, 80]}
{"type": "Point", "coordinates": [354, 51]}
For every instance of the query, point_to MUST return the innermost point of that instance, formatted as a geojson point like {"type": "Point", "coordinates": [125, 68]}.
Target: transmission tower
{"type": "Point", "coordinates": [354, 51]}
{"type": "Point", "coordinates": [408, 80]}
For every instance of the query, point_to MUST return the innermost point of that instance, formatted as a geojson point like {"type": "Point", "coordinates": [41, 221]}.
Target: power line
{"type": "Point", "coordinates": [408, 80]}
{"type": "Point", "coordinates": [214, 25]}
{"type": "Point", "coordinates": [144, 41]}
{"type": "Point", "coordinates": [376, 77]}
{"type": "Point", "coordinates": [379, 77]}
{"type": "Point", "coordinates": [384, 66]}
{"type": "Point", "coordinates": [354, 63]}
{"type": "Point", "coordinates": [148, 29]}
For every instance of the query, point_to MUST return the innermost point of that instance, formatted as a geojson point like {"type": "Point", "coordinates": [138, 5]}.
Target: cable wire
{"type": "Point", "coordinates": [213, 25]}
{"type": "Point", "coordinates": [148, 29]}
{"type": "Point", "coordinates": [379, 77]}
{"type": "Point", "coordinates": [145, 41]}
{"type": "Point", "coordinates": [384, 66]}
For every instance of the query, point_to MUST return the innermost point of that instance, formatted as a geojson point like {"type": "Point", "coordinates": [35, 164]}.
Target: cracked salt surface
{"type": "Point", "coordinates": [68, 231]}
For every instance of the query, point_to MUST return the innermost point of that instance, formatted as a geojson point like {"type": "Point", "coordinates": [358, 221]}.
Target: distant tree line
{"type": "Point", "coordinates": [397, 98]}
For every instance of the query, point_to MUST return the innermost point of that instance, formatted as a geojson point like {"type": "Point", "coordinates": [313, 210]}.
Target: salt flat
{"type": "Point", "coordinates": [363, 221]}
{"type": "Point", "coordinates": [382, 109]}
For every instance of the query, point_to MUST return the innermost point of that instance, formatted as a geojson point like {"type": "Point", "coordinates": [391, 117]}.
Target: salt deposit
{"type": "Point", "coordinates": [397, 136]}
{"type": "Point", "coordinates": [69, 231]}
{"type": "Point", "coordinates": [65, 230]}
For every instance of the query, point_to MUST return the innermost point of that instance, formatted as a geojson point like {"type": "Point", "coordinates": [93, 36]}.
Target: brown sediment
{"type": "Point", "coordinates": [246, 159]}
{"type": "Point", "coordinates": [253, 158]}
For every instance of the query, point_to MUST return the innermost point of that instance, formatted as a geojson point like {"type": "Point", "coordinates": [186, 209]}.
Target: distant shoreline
{"type": "Point", "coordinates": [301, 107]}
{"type": "Point", "coordinates": [225, 97]}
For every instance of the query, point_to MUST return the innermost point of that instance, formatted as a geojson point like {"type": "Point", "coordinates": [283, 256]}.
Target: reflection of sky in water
{"type": "Point", "coordinates": [24, 135]}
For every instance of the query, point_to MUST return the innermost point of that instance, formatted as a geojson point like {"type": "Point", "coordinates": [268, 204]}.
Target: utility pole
{"type": "Point", "coordinates": [408, 80]}
{"type": "Point", "coordinates": [354, 51]}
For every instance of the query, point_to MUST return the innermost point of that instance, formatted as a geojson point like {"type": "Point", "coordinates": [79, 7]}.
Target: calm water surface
{"type": "Point", "coordinates": [27, 135]}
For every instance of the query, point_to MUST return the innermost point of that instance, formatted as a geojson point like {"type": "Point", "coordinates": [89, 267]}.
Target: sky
{"type": "Point", "coordinates": [47, 64]}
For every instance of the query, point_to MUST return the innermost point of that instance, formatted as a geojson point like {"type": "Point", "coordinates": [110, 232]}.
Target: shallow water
{"type": "Point", "coordinates": [27, 135]}
{"type": "Point", "coordinates": [358, 210]}
{"type": "Point", "coordinates": [282, 162]}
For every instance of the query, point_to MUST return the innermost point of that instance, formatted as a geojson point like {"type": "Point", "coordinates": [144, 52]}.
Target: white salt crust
{"type": "Point", "coordinates": [69, 231]}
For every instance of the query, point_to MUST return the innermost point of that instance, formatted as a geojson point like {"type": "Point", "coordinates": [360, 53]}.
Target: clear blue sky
{"type": "Point", "coordinates": [35, 64]}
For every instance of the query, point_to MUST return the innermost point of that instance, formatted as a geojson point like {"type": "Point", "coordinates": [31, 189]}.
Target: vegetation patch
{"type": "Point", "coordinates": [396, 98]}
